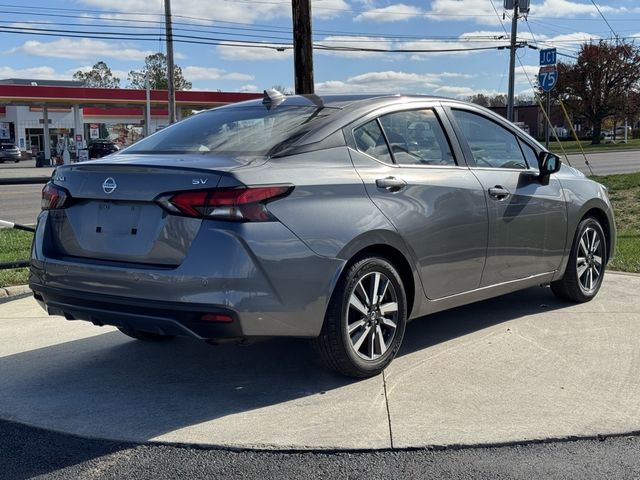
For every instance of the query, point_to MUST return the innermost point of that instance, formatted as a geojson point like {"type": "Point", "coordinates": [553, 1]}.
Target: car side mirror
{"type": "Point", "coordinates": [548, 163]}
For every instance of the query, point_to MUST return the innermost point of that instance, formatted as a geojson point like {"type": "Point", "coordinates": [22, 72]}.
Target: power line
{"type": "Point", "coordinates": [603, 18]}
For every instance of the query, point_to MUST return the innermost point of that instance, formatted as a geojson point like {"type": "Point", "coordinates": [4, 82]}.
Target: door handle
{"type": "Point", "coordinates": [499, 192]}
{"type": "Point", "coordinates": [392, 184]}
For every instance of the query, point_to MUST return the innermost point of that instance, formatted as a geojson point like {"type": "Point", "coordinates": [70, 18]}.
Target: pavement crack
{"type": "Point", "coordinates": [386, 402]}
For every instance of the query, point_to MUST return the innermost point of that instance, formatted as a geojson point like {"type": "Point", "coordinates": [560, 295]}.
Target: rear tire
{"type": "Point", "coordinates": [145, 336]}
{"type": "Point", "coordinates": [365, 321]}
{"type": "Point", "coordinates": [585, 270]}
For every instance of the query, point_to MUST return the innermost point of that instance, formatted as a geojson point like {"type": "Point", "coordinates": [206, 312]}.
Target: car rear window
{"type": "Point", "coordinates": [251, 130]}
{"type": "Point", "coordinates": [7, 146]}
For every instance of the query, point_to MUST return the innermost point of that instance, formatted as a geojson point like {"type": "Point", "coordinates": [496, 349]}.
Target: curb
{"type": "Point", "coordinates": [16, 292]}
{"type": "Point", "coordinates": [628, 274]}
{"type": "Point", "coordinates": [24, 180]}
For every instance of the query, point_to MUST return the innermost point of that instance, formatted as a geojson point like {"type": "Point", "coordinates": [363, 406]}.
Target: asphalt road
{"type": "Point", "coordinates": [26, 452]}
{"type": "Point", "coordinates": [20, 203]}
{"type": "Point", "coordinates": [607, 163]}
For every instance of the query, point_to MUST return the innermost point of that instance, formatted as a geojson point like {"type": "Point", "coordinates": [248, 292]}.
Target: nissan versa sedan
{"type": "Point", "coordinates": [336, 218]}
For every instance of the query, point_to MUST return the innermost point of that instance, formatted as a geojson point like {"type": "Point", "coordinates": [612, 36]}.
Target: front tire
{"type": "Point", "coordinates": [585, 270]}
{"type": "Point", "coordinates": [145, 336]}
{"type": "Point", "coordinates": [365, 320]}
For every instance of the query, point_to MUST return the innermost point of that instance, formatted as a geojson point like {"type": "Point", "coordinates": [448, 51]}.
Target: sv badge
{"type": "Point", "coordinates": [199, 181]}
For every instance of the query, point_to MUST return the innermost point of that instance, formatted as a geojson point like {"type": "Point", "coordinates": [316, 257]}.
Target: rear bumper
{"type": "Point", "coordinates": [269, 280]}
{"type": "Point", "coordinates": [167, 318]}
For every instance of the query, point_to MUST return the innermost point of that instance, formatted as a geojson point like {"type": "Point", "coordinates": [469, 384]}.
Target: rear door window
{"type": "Point", "coordinates": [370, 140]}
{"type": "Point", "coordinates": [417, 138]}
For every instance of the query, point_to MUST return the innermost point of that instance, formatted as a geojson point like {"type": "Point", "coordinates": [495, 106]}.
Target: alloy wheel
{"type": "Point", "coordinates": [589, 261]}
{"type": "Point", "coordinates": [372, 316]}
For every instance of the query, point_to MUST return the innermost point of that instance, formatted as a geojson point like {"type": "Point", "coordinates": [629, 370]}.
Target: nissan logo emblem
{"type": "Point", "coordinates": [109, 185]}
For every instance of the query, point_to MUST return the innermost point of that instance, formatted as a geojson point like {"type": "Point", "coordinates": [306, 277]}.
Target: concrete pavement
{"type": "Point", "coordinates": [520, 367]}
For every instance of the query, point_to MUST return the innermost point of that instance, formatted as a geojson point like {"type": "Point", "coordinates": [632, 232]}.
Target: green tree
{"type": "Point", "coordinates": [156, 66]}
{"type": "Point", "coordinates": [594, 85]}
{"type": "Point", "coordinates": [479, 99]}
{"type": "Point", "coordinates": [99, 76]}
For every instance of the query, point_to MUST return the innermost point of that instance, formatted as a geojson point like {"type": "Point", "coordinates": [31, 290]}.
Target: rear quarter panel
{"type": "Point", "coordinates": [329, 208]}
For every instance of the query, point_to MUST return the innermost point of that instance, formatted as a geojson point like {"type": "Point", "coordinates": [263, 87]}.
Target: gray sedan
{"type": "Point", "coordinates": [337, 218]}
{"type": "Point", "coordinates": [9, 153]}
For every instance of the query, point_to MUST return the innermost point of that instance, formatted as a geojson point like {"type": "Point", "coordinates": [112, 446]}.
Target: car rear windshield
{"type": "Point", "coordinates": [250, 130]}
{"type": "Point", "coordinates": [7, 146]}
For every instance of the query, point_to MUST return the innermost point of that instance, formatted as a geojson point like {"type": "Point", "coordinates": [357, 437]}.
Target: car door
{"type": "Point", "coordinates": [527, 219]}
{"type": "Point", "coordinates": [418, 179]}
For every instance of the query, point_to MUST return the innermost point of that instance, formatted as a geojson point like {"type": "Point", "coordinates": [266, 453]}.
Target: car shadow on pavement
{"type": "Point", "coordinates": [440, 327]}
{"type": "Point", "coordinates": [110, 386]}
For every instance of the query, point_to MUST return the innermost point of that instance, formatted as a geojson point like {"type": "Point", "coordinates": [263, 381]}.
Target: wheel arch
{"type": "Point", "coordinates": [603, 219]}
{"type": "Point", "coordinates": [396, 255]}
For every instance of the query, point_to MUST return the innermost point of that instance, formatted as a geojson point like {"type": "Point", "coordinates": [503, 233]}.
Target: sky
{"type": "Point", "coordinates": [245, 45]}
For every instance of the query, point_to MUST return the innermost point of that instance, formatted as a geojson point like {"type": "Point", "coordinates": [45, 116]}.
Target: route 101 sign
{"type": "Point", "coordinates": [547, 77]}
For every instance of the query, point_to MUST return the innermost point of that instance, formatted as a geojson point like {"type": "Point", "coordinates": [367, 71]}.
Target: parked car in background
{"type": "Point", "coordinates": [101, 148]}
{"type": "Point", "coordinates": [337, 218]}
{"type": "Point", "coordinates": [9, 153]}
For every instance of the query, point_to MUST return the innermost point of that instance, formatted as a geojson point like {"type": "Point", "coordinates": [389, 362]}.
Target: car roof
{"type": "Point", "coordinates": [338, 100]}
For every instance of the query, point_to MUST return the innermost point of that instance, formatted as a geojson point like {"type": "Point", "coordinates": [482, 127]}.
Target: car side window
{"type": "Point", "coordinates": [530, 155]}
{"type": "Point", "coordinates": [370, 140]}
{"type": "Point", "coordinates": [491, 144]}
{"type": "Point", "coordinates": [417, 138]}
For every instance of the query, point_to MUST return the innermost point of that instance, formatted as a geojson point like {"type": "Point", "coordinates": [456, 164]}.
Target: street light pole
{"type": "Point", "coordinates": [170, 68]}
{"type": "Point", "coordinates": [512, 61]}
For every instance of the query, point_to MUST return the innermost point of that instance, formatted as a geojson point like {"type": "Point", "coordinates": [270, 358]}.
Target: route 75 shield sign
{"type": "Point", "coordinates": [547, 77]}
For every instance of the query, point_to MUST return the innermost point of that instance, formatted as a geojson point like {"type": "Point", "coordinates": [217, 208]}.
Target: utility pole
{"type": "Point", "coordinates": [147, 111]}
{"type": "Point", "coordinates": [302, 46]}
{"type": "Point", "coordinates": [170, 76]}
{"type": "Point", "coordinates": [512, 60]}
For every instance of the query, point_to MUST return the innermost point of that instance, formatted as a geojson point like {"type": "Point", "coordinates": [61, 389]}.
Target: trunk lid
{"type": "Point", "coordinates": [113, 216]}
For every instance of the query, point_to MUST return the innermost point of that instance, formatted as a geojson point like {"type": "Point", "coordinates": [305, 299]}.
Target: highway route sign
{"type": "Point", "coordinates": [547, 77]}
{"type": "Point", "coordinates": [548, 56]}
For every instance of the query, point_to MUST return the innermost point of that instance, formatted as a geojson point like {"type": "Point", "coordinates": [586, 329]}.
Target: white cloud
{"type": "Point", "coordinates": [392, 13]}
{"type": "Point", "coordinates": [452, 91]}
{"type": "Point", "coordinates": [464, 92]}
{"type": "Point", "coordinates": [45, 73]}
{"type": "Point", "coordinates": [464, 10]}
{"type": "Point", "coordinates": [355, 43]}
{"type": "Point", "coordinates": [244, 53]}
{"type": "Point", "coordinates": [194, 73]}
{"type": "Point", "coordinates": [197, 11]}
{"type": "Point", "coordinates": [567, 8]}
{"type": "Point", "coordinates": [81, 48]}
{"type": "Point", "coordinates": [388, 81]}
{"type": "Point", "coordinates": [249, 88]}
{"type": "Point", "coordinates": [481, 11]}
{"type": "Point", "coordinates": [527, 74]}
{"type": "Point", "coordinates": [478, 39]}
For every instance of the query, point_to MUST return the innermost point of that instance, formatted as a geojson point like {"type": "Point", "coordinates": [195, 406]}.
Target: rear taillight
{"type": "Point", "coordinates": [54, 196]}
{"type": "Point", "coordinates": [246, 204]}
